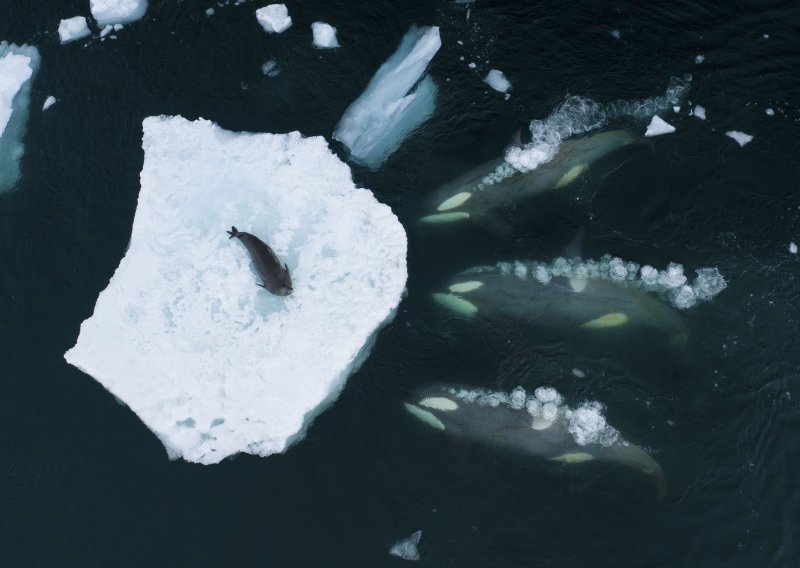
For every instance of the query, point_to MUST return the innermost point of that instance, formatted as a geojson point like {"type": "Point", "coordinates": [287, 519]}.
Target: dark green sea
{"type": "Point", "coordinates": [83, 482]}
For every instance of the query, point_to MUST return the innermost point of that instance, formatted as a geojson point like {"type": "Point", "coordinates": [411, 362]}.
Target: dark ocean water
{"type": "Point", "coordinates": [84, 483]}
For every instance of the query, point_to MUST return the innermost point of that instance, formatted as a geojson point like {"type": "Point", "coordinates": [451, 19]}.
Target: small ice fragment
{"type": "Point", "coordinates": [766, 36]}
{"type": "Point", "coordinates": [210, 12]}
{"type": "Point", "coordinates": [740, 137]}
{"type": "Point", "coordinates": [117, 11]}
{"type": "Point", "coordinates": [49, 101]}
{"type": "Point", "coordinates": [497, 80]}
{"type": "Point", "coordinates": [577, 373]}
{"type": "Point", "coordinates": [699, 59]}
{"type": "Point", "coordinates": [615, 34]}
{"type": "Point", "coordinates": [658, 126]}
{"type": "Point", "coordinates": [407, 547]}
{"type": "Point", "coordinates": [671, 422]}
{"type": "Point", "coordinates": [471, 65]}
{"type": "Point", "coordinates": [459, 42]}
{"type": "Point", "coordinates": [793, 248]}
{"type": "Point", "coordinates": [324, 35]}
{"type": "Point", "coordinates": [118, 27]}
{"type": "Point", "coordinates": [271, 68]}
{"type": "Point", "coordinates": [770, 112]}
{"type": "Point", "coordinates": [72, 29]}
{"type": "Point", "coordinates": [699, 112]}
{"type": "Point", "coordinates": [676, 108]}
{"type": "Point", "coordinates": [106, 30]}
{"type": "Point", "coordinates": [274, 18]}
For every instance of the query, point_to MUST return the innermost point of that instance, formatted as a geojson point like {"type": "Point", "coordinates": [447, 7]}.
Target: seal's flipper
{"type": "Point", "coordinates": [233, 232]}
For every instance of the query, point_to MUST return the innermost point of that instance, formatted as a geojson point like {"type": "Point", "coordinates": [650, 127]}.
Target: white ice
{"type": "Point", "coordinates": [407, 548]}
{"type": "Point", "coordinates": [72, 29]}
{"type": "Point", "coordinates": [18, 65]}
{"type": "Point", "coordinates": [210, 362]}
{"type": "Point", "coordinates": [48, 102]}
{"type": "Point", "coordinates": [658, 126]}
{"type": "Point", "coordinates": [740, 137]}
{"type": "Point", "coordinates": [699, 59]}
{"type": "Point", "coordinates": [117, 11]}
{"type": "Point", "coordinates": [388, 110]}
{"type": "Point", "coordinates": [699, 112]}
{"type": "Point", "coordinates": [271, 68]}
{"type": "Point", "coordinates": [106, 30]}
{"type": "Point", "coordinates": [497, 81]}
{"type": "Point", "coordinates": [274, 18]}
{"type": "Point", "coordinates": [324, 35]}
{"type": "Point", "coordinates": [792, 248]}
{"type": "Point", "coordinates": [770, 112]}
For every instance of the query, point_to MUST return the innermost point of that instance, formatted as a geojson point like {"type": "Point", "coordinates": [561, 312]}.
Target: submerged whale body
{"type": "Point", "coordinates": [538, 425]}
{"type": "Point", "coordinates": [481, 194]}
{"type": "Point", "coordinates": [275, 278]}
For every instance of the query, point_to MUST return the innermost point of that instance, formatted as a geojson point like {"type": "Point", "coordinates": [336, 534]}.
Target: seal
{"type": "Point", "coordinates": [276, 278]}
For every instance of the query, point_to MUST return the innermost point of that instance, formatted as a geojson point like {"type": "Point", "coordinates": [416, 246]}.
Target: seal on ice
{"type": "Point", "coordinates": [275, 277]}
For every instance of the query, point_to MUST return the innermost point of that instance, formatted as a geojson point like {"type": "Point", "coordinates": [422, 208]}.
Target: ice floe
{"type": "Point", "coordinates": [324, 35]}
{"type": "Point", "coordinates": [72, 29]}
{"type": "Point", "coordinates": [579, 115]}
{"type": "Point", "coordinates": [658, 126]}
{"type": "Point", "coordinates": [769, 112]}
{"type": "Point", "coordinates": [18, 65]}
{"type": "Point", "coordinates": [391, 107]}
{"type": "Point", "coordinates": [497, 81]}
{"type": "Point", "coordinates": [271, 68]}
{"type": "Point", "coordinates": [48, 102]}
{"type": "Point", "coordinates": [670, 283]}
{"type": "Point", "coordinates": [699, 112]}
{"type": "Point", "coordinates": [274, 18]}
{"type": "Point", "coordinates": [117, 11]}
{"type": "Point", "coordinates": [699, 58]}
{"type": "Point", "coordinates": [740, 137]}
{"type": "Point", "coordinates": [407, 548]}
{"type": "Point", "coordinates": [792, 248]}
{"type": "Point", "coordinates": [211, 363]}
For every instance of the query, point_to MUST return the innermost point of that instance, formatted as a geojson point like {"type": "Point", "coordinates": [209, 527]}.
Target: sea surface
{"type": "Point", "coordinates": [84, 483]}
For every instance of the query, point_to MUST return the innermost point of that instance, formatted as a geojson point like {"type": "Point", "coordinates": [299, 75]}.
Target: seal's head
{"type": "Point", "coordinates": [285, 287]}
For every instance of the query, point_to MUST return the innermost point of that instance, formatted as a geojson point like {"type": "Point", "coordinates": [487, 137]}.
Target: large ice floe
{"type": "Point", "coordinates": [391, 107]}
{"type": "Point", "coordinates": [112, 12]}
{"type": "Point", "coordinates": [211, 363]}
{"type": "Point", "coordinates": [72, 29]}
{"type": "Point", "coordinates": [669, 283]}
{"type": "Point", "coordinates": [18, 65]}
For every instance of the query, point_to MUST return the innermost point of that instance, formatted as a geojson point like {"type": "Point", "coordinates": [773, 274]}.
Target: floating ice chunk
{"type": "Point", "coordinates": [699, 112]}
{"type": "Point", "coordinates": [72, 29]}
{"type": "Point", "coordinates": [274, 18]}
{"type": "Point", "coordinates": [472, 65]}
{"type": "Point", "coordinates": [210, 12]}
{"type": "Point", "coordinates": [271, 68]}
{"type": "Point", "coordinates": [106, 30]}
{"type": "Point", "coordinates": [792, 248]}
{"type": "Point", "coordinates": [182, 332]}
{"type": "Point", "coordinates": [588, 426]}
{"type": "Point", "coordinates": [324, 35]}
{"type": "Point", "coordinates": [658, 126]}
{"type": "Point", "coordinates": [407, 548]}
{"type": "Point", "coordinates": [48, 102]}
{"type": "Point", "coordinates": [770, 112]}
{"type": "Point", "coordinates": [578, 374]}
{"type": "Point", "coordinates": [740, 137]}
{"type": "Point", "coordinates": [117, 11]}
{"type": "Point", "coordinates": [615, 34]}
{"type": "Point", "coordinates": [378, 121]}
{"type": "Point", "coordinates": [18, 65]}
{"type": "Point", "coordinates": [118, 27]}
{"type": "Point", "coordinates": [699, 59]}
{"type": "Point", "coordinates": [497, 81]}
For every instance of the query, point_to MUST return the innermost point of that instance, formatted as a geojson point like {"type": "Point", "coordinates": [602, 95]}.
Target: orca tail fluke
{"type": "Point", "coordinates": [233, 232]}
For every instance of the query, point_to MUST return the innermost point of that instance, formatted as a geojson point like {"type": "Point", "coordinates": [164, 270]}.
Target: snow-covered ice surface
{"type": "Point", "coordinates": [669, 283]}
{"type": "Point", "coordinates": [72, 29]}
{"type": "Point", "coordinates": [740, 137]}
{"type": "Point", "coordinates": [117, 11]}
{"type": "Point", "coordinates": [48, 102]}
{"type": "Point", "coordinates": [274, 18]}
{"type": "Point", "coordinates": [658, 126]}
{"type": "Point", "coordinates": [497, 80]}
{"type": "Point", "coordinates": [378, 121]}
{"type": "Point", "coordinates": [324, 35]}
{"type": "Point", "coordinates": [579, 115]}
{"type": "Point", "coordinates": [18, 65]}
{"type": "Point", "coordinates": [407, 548]}
{"type": "Point", "coordinates": [211, 363]}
